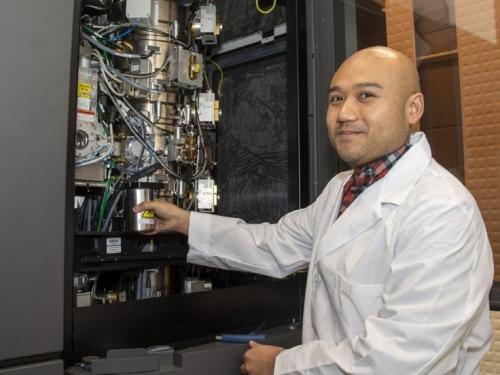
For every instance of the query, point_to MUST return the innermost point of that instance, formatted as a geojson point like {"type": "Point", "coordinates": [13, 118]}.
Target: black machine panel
{"type": "Point", "coordinates": [241, 18]}
{"type": "Point", "coordinates": [186, 320]}
{"type": "Point", "coordinates": [253, 142]}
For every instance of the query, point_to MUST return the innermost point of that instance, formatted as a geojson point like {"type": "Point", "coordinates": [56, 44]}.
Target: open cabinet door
{"type": "Point", "coordinates": [36, 43]}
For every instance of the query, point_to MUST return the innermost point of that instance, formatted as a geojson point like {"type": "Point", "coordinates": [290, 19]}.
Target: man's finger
{"type": "Point", "coordinates": [144, 206]}
{"type": "Point", "coordinates": [244, 357]}
{"type": "Point", "coordinates": [243, 369]}
{"type": "Point", "coordinates": [253, 344]}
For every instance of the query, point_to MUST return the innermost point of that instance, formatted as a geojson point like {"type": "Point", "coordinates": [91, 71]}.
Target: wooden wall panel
{"type": "Point", "coordinates": [400, 31]}
{"type": "Point", "coordinates": [399, 24]}
{"type": "Point", "coordinates": [490, 365]}
{"type": "Point", "coordinates": [479, 67]}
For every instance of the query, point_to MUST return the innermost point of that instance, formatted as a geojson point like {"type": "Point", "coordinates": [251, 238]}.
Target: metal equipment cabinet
{"type": "Point", "coordinates": [35, 75]}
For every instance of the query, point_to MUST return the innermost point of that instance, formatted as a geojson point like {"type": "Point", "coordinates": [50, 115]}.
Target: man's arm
{"type": "Point", "coordinates": [228, 243]}
{"type": "Point", "coordinates": [436, 293]}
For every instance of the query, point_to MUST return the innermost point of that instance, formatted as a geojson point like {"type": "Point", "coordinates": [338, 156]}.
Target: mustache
{"type": "Point", "coordinates": [349, 128]}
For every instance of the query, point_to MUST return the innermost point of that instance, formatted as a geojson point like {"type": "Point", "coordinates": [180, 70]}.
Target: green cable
{"type": "Point", "coordinates": [104, 203]}
{"type": "Point", "coordinates": [265, 11]}
{"type": "Point", "coordinates": [221, 79]}
{"type": "Point", "coordinates": [100, 37]}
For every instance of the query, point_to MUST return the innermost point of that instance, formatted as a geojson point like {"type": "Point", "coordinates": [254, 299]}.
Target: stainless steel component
{"type": "Point", "coordinates": [178, 135]}
{"type": "Point", "coordinates": [185, 118]}
{"type": "Point", "coordinates": [80, 281]}
{"type": "Point", "coordinates": [180, 188]}
{"type": "Point", "coordinates": [171, 149]}
{"type": "Point", "coordinates": [143, 11]}
{"type": "Point", "coordinates": [206, 195]}
{"type": "Point", "coordinates": [206, 28]}
{"type": "Point", "coordinates": [135, 194]}
{"type": "Point", "coordinates": [174, 29]}
{"type": "Point", "coordinates": [186, 69]}
{"type": "Point", "coordinates": [159, 108]}
{"type": "Point", "coordinates": [206, 107]}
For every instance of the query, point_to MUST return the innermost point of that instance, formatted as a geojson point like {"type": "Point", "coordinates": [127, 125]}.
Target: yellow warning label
{"type": "Point", "coordinates": [84, 90]}
{"type": "Point", "coordinates": [148, 214]}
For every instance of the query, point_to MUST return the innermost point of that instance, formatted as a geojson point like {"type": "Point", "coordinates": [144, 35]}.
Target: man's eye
{"type": "Point", "coordinates": [334, 99]}
{"type": "Point", "coordinates": [366, 95]}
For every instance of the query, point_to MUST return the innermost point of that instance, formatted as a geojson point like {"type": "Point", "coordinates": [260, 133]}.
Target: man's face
{"type": "Point", "coordinates": [366, 111]}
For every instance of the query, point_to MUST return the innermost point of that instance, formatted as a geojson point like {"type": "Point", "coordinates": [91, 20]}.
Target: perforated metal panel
{"type": "Point", "coordinates": [479, 66]}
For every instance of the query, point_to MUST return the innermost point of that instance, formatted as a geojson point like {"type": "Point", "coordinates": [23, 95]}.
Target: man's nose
{"type": "Point", "coordinates": [348, 110]}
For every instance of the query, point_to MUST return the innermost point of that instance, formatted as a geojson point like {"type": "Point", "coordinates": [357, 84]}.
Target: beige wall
{"type": "Point", "coordinates": [479, 66]}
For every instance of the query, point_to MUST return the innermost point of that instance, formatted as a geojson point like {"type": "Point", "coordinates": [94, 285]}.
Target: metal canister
{"type": "Point", "coordinates": [136, 193]}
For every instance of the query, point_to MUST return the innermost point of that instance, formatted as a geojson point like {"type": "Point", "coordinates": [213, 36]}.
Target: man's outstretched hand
{"type": "Point", "coordinates": [260, 359]}
{"type": "Point", "coordinates": [168, 217]}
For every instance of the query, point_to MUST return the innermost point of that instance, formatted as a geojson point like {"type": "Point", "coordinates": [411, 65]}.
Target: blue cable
{"type": "Point", "coordinates": [119, 36]}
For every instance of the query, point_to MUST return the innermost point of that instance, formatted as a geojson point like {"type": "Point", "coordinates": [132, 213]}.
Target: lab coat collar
{"type": "Point", "coordinates": [366, 210]}
{"type": "Point", "coordinates": [397, 183]}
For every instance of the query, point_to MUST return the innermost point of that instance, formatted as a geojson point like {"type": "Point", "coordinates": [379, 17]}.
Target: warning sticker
{"type": "Point", "coordinates": [84, 90]}
{"type": "Point", "coordinates": [84, 104]}
{"type": "Point", "coordinates": [148, 214]}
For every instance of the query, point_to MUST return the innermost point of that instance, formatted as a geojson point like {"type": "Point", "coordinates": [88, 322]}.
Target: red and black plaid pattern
{"type": "Point", "coordinates": [368, 175]}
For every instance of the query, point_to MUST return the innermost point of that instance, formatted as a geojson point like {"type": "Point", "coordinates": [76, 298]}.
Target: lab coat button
{"type": "Point", "coordinates": [317, 278]}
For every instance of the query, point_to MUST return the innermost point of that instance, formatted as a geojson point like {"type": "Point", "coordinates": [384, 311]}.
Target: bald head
{"type": "Point", "coordinates": [374, 99]}
{"type": "Point", "coordinates": [397, 68]}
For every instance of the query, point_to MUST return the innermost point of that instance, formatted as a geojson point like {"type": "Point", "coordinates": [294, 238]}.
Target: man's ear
{"type": "Point", "coordinates": [414, 108]}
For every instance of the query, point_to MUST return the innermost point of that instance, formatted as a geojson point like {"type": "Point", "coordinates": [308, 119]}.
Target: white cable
{"type": "Point", "coordinates": [105, 74]}
{"type": "Point", "coordinates": [118, 77]}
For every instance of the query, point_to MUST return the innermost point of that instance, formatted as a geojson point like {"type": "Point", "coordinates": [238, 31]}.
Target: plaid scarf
{"type": "Point", "coordinates": [368, 175]}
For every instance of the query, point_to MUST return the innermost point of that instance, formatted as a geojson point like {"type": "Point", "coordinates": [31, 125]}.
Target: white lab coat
{"type": "Point", "coordinates": [398, 284]}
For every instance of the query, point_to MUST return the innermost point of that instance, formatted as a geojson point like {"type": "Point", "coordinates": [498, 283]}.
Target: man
{"type": "Point", "coordinates": [399, 260]}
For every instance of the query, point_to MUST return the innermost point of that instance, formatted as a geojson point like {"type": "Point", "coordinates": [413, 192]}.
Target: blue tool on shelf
{"type": "Point", "coordinates": [243, 338]}
{"type": "Point", "coordinates": [240, 338]}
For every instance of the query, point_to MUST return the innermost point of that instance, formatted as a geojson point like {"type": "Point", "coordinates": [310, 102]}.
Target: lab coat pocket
{"type": "Point", "coordinates": [356, 303]}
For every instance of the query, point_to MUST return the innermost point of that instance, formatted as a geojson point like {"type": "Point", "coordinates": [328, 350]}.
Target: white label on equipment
{"type": "Point", "coordinates": [113, 245]}
{"type": "Point", "coordinates": [85, 117]}
{"type": "Point", "coordinates": [113, 241]}
{"type": "Point", "coordinates": [147, 217]}
{"type": "Point", "coordinates": [83, 103]}
{"type": "Point", "coordinates": [113, 249]}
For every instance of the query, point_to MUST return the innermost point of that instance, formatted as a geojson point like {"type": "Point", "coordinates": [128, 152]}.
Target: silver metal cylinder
{"type": "Point", "coordinates": [141, 221]}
